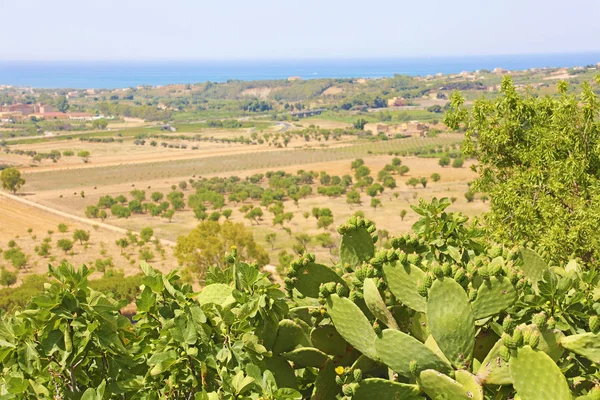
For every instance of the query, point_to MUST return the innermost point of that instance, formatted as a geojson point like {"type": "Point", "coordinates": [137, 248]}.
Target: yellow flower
{"type": "Point", "coordinates": [339, 370]}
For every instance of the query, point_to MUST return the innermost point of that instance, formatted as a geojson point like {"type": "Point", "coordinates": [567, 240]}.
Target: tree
{"type": "Point", "coordinates": [470, 196]}
{"type": "Point", "coordinates": [156, 196]}
{"type": "Point", "coordinates": [122, 243]}
{"type": "Point", "coordinates": [402, 214]}
{"type": "Point", "coordinates": [374, 189]}
{"type": "Point", "coordinates": [357, 163]}
{"type": "Point", "coordinates": [360, 124]}
{"type": "Point", "coordinates": [11, 179]}
{"type": "Point", "coordinates": [444, 161]}
{"type": "Point", "coordinates": [436, 108]}
{"type": "Point", "coordinates": [396, 162]}
{"type": "Point", "coordinates": [84, 155]}
{"type": "Point", "coordinates": [423, 182]}
{"type": "Point", "coordinates": [270, 238]}
{"type": "Point", "coordinates": [458, 163]}
{"type": "Point", "coordinates": [403, 170]}
{"type": "Point", "coordinates": [146, 254]}
{"type": "Point", "coordinates": [61, 103]}
{"type": "Point", "coordinates": [183, 185]}
{"type": "Point", "coordinates": [227, 213]}
{"type": "Point", "coordinates": [168, 214]}
{"type": "Point", "coordinates": [62, 228]}
{"type": "Point", "coordinates": [146, 234]}
{"type": "Point", "coordinates": [65, 245]}
{"type": "Point", "coordinates": [375, 203]}
{"type": "Point", "coordinates": [413, 182]}
{"type": "Point", "coordinates": [100, 123]}
{"type": "Point", "coordinates": [353, 197]}
{"type": "Point", "coordinates": [255, 215]}
{"type": "Point", "coordinates": [207, 244]}
{"type": "Point", "coordinates": [361, 172]}
{"type": "Point", "coordinates": [44, 249]}
{"type": "Point", "coordinates": [214, 216]}
{"type": "Point", "coordinates": [435, 177]}
{"type": "Point", "coordinates": [324, 221]}
{"type": "Point", "coordinates": [538, 160]}
{"type": "Point", "coordinates": [81, 235]}
{"type": "Point", "coordinates": [303, 240]}
{"type": "Point", "coordinates": [7, 278]}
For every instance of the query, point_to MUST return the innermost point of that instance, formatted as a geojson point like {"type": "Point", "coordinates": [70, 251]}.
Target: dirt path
{"type": "Point", "coordinates": [72, 217]}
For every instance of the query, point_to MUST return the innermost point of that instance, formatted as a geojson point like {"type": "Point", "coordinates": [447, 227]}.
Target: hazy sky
{"type": "Point", "coordinates": [272, 29]}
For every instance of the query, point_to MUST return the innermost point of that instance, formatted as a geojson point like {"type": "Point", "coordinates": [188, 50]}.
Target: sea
{"type": "Point", "coordinates": [121, 74]}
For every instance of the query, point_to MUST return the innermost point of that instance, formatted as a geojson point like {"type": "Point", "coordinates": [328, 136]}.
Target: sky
{"type": "Point", "coordinates": [279, 29]}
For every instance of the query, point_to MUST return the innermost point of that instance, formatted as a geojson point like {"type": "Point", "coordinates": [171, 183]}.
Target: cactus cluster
{"type": "Point", "coordinates": [446, 316]}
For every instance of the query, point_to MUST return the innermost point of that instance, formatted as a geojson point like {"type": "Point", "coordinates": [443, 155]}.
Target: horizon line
{"type": "Point", "coordinates": [308, 58]}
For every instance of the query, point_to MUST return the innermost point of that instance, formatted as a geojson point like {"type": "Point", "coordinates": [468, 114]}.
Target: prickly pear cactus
{"type": "Point", "coordinates": [352, 325]}
{"type": "Point", "coordinates": [451, 322]}
{"type": "Point", "coordinates": [357, 245]}
{"type": "Point", "coordinates": [398, 350]}
{"type": "Point", "coordinates": [584, 344]}
{"type": "Point", "coordinates": [383, 389]}
{"type": "Point", "coordinates": [327, 339]}
{"type": "Point", "coordinates": [376, 304]}
{"type": "Point", "coordinates": [289, 335]}
{"type": "Point", "coordinates": [493, 296]}
{"type": "Point", "coordinates": [307, 276]}
{"type": "Point", "coordinates": [438, 385]}
{"type": "Point", "coordinates": [403, 280]}
{"type": "Point", "coordinates": [535, 376]}
{"type": "Point", "coordinates": [307, 357]}
{"type": "Point", "coordinates": [533, 266]}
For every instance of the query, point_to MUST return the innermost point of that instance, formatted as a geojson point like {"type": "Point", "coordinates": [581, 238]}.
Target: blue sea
{"type": "Point", "coordinates": [112, 74]}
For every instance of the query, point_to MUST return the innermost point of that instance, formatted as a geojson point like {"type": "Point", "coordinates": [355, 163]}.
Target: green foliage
{"type": "Point", "coordinates": [537, 159]}
{"type": "Point", "coordinates": [11, 179]}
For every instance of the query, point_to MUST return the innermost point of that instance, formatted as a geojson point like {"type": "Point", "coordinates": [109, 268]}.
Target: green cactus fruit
{"type": "Point", "coordinates": [311, 276]}
{"type": "Point", "coordinates": [397, 350]}
{"type": "Point", "coordinates": [594, 323]}
{"type": "Point", "coordinates": [518, 337]}
{"type": "Point", "coordinates": [438, 271]}
{"type": "Point", "coordinates": [472, 294]}
{"type": "Point", "coordinates": [459, 275]}
{"type": "Point", "coordinates": [413, 259]}
{"type": "Point", "coordinates": [505, 353]}
{"type": "Point", "coordinates": [289, 335]}
{"type": "Point", "coordinates": [493, 296]}
{"type": "Point", "coordinates": [384, 389]}
{"type": "Point", "coordinates": [402, 281]}
{"type": "Point", "coordinates": [447, 269]}
{"type": "Point", "coordinates": [357, 374]}
{"type": "Point", "coordinates": [347, 390]}
{"type": "Point", "coordinates": [508, 341]}
{"type": "Point", "coordinates": [527, 336]}
{"type": "Point", "coordinates": [376, 305]}
{"type": "Point", "coordinates": [422, 289]}
{"type": "Point", "coordinates": [356, 247]}
{"type": "Point", "coordinates": [533, 267]}
{"type": "Point", "coordinates": [352, 325]}
{"type": "Point", "coordinates": [360, 273]}
{"type": "Point", "coordinates": [339, 380]}
{"type": "Point", "coordinates": [540, 320]}
{"type": "Point", "coordinates": [495, 251]}
{"type": "Point", "coordinates": [451, 322]}
{"type": "Point", "coordinates": [371, 273]}
{"type": "Point", "coordinates": [533, 340]}
{"type": "Point", "coordinates": [327, 339]}
{"type": "Point", "coordinates": [494, 369]}
{"type": "Point", "coordinates": [428, 280]}
{"type": "Point", "coordinates": [551, 323]}
{"type": "Point", "coordinates": [306, 357]}
{"type": "Point", "coordinates": [585, 344]}
{"type": "Point", "coordinates": [325, 386]}
{"type": "Point", "coordinates": [508, 324]}
{"type": "Point", "coordinates": [437, 385]}
{"type": "Point", "coordinates": [484, 273]}
{"type": "Point", "coordinates": [341, 290]}
{"type": "Point", "coordinates": [535, 376]}
{"type": "Point", "coordinates": [377, 328]}
{"type": "Point", "coordinates": [413, 367]}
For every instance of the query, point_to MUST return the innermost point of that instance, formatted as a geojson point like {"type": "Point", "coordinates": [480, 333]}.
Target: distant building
{"type": "Point", "coordinates": [79, 116]}
{"type": "Point", "coordinates": [294, 78]}
{"type": "Point", "coordinates": [499, 71]}
{"type": "Point", "coordinates": [396, 102]}
{"type": "Point", "coordinates": [72, 95]}
{"type": "Point", "coordinates": [51, 115]}
{"type": "Point", "coordinates": [40, 108]}
{"type": "Point", "coordinates": [19, 108]}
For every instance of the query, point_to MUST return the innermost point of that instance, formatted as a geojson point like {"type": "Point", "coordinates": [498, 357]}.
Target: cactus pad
{"type": "Point", "coordinates": [403, 281]}
{"type": "Point", "coordinates": [352, 325]}
{"type": "Point", "coordinates": [535, 376]}
{"type": "Point", "coordinates": [586, 345]}
{"type": "Point", "coordinates": [285, 376]}
{"type": "Point", "coordinates": [216, 293]}
{"type": "Point", "coordinates": [383, 389]}
{"type": "Point", "coordinates": [396, 349]}
{"type": "Point", "coordinates": [470, 383]}
{"type": "Point", "coordinates": [327, 339]}
{"type": "Point", "coordinates": [356, 246]}
{"type": "Point", "coordinates": [325, 386]}
{"type": "Point", "coordinates": [289, 335]}
{"type": "Point", "coordinates": [312, 275]}
{"type": "Point", "coordinates": [493, 296]}
{"type": "Point", "coordinates": [451, 322]}
{"type": "Point", "coordinates": [307, 357]}
{"type": "Point", "coordinates": [494, 370]}
{"type": "Point", "coordinates": [439, 386]}
{"type": "Point", "coordinates": [376, 305]}
{"type": "Point", "coordinates": [533, 266]}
